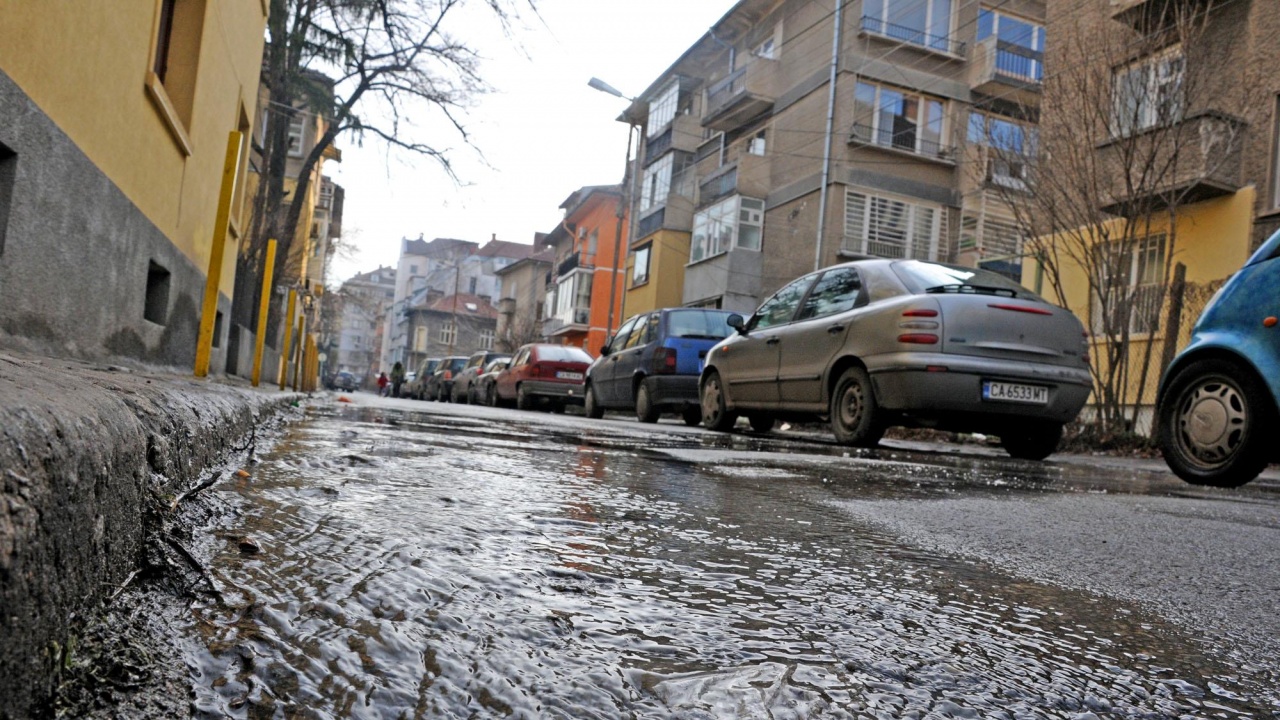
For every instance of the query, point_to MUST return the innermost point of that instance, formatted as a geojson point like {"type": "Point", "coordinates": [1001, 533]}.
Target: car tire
{"type": "Point", "coordinates": [1033, 442]}
{"type": "Point", "coordinates": [855, 415]}
{"type": "Point", "coordinates": [715, 414]}
{"type": "Point", "coordinates": [692, 415]}
{"type": "Point", "coordinates": [761, 423]}
{"type": "Point", "coordinates": [589, 404]}
{"type": "Point", "coordinates": [1212, 424]}
{"type": "Point", "coordinates": [646, 411]}
{"type": "Point", "coordinates": [557, 408]}
{"type": "Point", "coordinates": [472, 397]}
{"type": "Point", "coordinates": [524, 401]}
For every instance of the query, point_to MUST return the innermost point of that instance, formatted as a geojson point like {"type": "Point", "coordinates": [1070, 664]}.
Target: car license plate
{"type": "Point", "coordinates": [569, 375]}
{"type": "Point", "coordinates": [1013, 392]}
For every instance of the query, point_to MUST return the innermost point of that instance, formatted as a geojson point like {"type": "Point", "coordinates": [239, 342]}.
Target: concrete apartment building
{"type": "Point", "coordinates": [1184, 133]}
{"type": "Point", "coordinates": [521, 299]}
{"type": "Point", "coordinates": [114, 120]}
{"type": "Point", "coordinates": [364, 300]}
{"type": "Point", "coordinates": [430, 272]}
{"type": "Point", "coordinates": [792, 136]}
{"type": "Point", "coordinates": [584, 295]}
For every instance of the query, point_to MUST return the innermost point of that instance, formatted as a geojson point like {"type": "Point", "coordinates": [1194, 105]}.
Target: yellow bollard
{"type": "Point", "coordinates": [264, 306]}
{"type": "Point", "coordinates": [297, 360]}
{"type": "Point", "coordinates": [288, 338]}
{"type": "Point", "coordinates": [313, 364]}
{"type": "Point", "coordinates": [209, 310]}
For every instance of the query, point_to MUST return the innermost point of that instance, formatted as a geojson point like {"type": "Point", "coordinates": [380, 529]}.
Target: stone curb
{"type": "Point", "coordinates": [83, 448]}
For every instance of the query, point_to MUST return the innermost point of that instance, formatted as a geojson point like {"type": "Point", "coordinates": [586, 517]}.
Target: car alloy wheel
{"type": "Point", "coordinates": [715, 415]}
{"type": "Point", "coordinates": [855, 416]}
{"type": "Point", "coordinates": [589, 404]}
{"type": "Point", "coordinates": [1209, 424]}
{"type": "Point", "coordinates": [646, 412]}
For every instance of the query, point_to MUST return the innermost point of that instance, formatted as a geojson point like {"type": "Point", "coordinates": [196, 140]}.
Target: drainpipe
{"type": "Point", "coordinates": [826, 149]}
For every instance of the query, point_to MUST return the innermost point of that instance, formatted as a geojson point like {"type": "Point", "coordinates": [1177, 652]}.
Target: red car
{"type": "Point", "coordinates": [542, 374]}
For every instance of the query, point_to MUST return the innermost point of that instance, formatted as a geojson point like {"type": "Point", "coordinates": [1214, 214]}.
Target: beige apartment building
{"type": "Point", "coordinates": [793, 136]}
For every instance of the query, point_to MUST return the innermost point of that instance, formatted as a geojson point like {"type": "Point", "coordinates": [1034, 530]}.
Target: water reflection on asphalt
{"type": "Point", "coordinates": [413, 565]}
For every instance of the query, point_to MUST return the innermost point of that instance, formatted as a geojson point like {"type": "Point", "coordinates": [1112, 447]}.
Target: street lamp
{"type": "Point", "coordinates": [627, 195]}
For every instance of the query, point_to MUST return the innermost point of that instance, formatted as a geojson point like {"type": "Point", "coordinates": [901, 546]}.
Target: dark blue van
{"type": "Point", "coordinates": [653, 362]}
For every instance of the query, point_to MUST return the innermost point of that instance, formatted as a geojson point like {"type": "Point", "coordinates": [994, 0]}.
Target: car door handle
{"type": "Point", "coordinates": [773, 341]}
{"type": "Point", "coordinates": [835, 329]}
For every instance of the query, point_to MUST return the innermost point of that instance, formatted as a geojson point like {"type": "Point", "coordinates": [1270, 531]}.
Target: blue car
{"type": "Point", "coordinates": [1219, 401]}
{"type": "Point", "coordinates": [653, 362]}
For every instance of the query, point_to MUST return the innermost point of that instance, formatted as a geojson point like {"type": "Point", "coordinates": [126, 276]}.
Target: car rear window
{"type": "Point", "coordinates": [705, 324]}
{"type": "Point", "coordinates": [563, 353]}
{"type": "Point", "coordinates": [928, 277]}
{"type": "Point", "coordinates": [456, 364]}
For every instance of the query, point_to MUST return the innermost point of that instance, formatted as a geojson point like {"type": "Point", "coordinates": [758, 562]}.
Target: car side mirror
{"type": "Point", "coordinates": [605, 350]}
{"type": "Point", "coordinates": [735, 321]}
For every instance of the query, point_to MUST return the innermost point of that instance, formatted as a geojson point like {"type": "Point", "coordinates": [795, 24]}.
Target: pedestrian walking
{"type": "Point", "coordinates": [397, 378]}
{"type": "Point", "coordinates": [383, 382]}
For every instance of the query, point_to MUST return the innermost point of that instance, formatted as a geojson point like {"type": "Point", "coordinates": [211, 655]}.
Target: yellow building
{"type": "Point", "coordinates": [114, 121]}
{"type": "Point", "coordinates": [655, 272]}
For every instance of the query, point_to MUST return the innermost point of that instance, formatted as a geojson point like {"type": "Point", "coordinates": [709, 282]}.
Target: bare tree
{"type": "Point", "coordinates": [1136, 122]}
{"type": "Point", "coordinates": [370, 68]}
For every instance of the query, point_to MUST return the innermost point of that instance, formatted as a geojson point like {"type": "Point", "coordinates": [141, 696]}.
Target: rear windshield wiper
{"type": "Point", "coordinates": [972, 289]}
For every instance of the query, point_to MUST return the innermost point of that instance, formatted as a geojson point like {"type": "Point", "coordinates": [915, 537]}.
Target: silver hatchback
{"type": "Point", "coordinates": [872, 344]}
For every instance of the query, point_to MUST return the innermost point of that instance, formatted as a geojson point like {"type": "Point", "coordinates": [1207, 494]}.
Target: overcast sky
{"type": "Point", "coordinates": [543, 132]}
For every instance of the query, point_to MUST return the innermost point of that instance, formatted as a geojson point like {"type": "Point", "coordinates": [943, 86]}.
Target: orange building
{"type": "Point", "coordinates": [584, 296]}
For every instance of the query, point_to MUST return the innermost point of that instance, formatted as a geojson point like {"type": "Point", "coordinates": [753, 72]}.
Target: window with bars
{"type": "Point", "coordinates": [1131, 286]}
{"type": "Point", "coordinates": [886, 227]}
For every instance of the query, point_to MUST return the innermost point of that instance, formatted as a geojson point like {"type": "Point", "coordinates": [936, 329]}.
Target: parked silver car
{"type": "Point", "coordinates": [876, 343]}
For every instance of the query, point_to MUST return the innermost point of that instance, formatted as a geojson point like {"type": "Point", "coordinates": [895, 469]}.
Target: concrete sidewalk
{"type": "Point", "coordinates": [88, 451]}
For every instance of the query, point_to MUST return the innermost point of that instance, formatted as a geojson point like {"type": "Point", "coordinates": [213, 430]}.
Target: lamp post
{"type": "Point", "coordinates": [623, 204]}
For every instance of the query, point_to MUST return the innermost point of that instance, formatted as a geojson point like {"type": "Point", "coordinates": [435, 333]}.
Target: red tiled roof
{"type": "Point", "coordinates": [504, 249]}
{"type": "Point", "coordinates": [472, 305]}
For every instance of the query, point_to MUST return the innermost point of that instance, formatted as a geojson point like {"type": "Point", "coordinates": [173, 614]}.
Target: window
{"type": "Point", "coordinates": [926, 23]}
{"type": "Point", "coordinates": [1012, 147]}
{"type": "Point", "coordinates": [1020, 47]}
{"type": "Point", "coordinates": [471, 285]}
{"type": "Point", "coordinates": [620, 338]}
{"type": "Point", "coordinates": [593, 240]}
{"type": "Point", "coordinates": [448, 333]}
{"type": "Point", "coordinates": [885, 227]}
{"type": "Point", "coordinates": [573, 298]}
{"type": "Point", "coordinates": [890, 117]}
{"type": "Point", "coordinates": [657, 182]}
{"type": "Point", "coordinates": [782, 306]}
{"type": "Point", "coordinates": [175, 54]}
{"type": "Point", "coordinates": [732, 222]}
{"type": "Point", "coordinates": [486, 339]}
{"type": "Point", "coordinates": [156, 304]}
{"type": "Point", "coordinates": [297, 124]}
{"type": "Point", "coordinates": [640, 270]}
{"type": "Point", "coordinates": [642, 332]}
{"type": "Point", "coordinates": [836, 292]}
{"type": "Point", "coordinates": [420, 339]}
{"type": "Point", "coordinates": [756, 146]}
{"type": "Point", "coordinates": [8, 173]}
{"type": "Point", "coordinates": [1132, 284]}
{"type": "Point", "coordinates": [662, 110]}
{"type": "Point", "coordinates": [767, 49]}
{"type": "Point", "coordinates": [1148, 93]}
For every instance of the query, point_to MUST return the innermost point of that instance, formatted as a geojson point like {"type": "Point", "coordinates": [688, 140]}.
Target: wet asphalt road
{"type": "Point", "coordinates": [426, 560]}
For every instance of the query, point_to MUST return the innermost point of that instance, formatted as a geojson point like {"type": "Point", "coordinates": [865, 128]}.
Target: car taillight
{"type": "Point", "coordinates": [448, 374]}
{"type": "Point", "coordinates": [918, 324]}
{"type": "Point", "coordinates": [537, 370]}
{"type": "Point", "coordinates": [918, 338]}
{"type": "Point", "coordinates": [664, 361]}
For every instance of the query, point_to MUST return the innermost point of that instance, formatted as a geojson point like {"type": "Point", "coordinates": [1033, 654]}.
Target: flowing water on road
{"type": "Point", "coordinates": [410, 565]}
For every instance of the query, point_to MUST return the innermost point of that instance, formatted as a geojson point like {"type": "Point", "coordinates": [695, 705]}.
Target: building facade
{"type": "Point", "coordinates": [110, 179]}
{"type": "Point", "coordinates": [363, 301]}
{"type": "Point", "coordinates": [584, 295]}
{"type": "Point", "coordinates": [793, 136]}
{"type": "Point", "coordinates": [521, 299]}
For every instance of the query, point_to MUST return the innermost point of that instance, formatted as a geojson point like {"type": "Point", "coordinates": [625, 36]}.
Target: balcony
{"type": "Point", "coordinates": [1201, 153]}
{"type": "Point", "coordinates": [1008, 71]}
{"type": "Point", "coordinates": [906, 140]}
{"type": "Point", "coordinates": [573, 262]}
{"type": "Point", "coordinates": [743, 96]}
{"type": "Point", "coordinates": [746, 174]}
{"type": "Point", "coordinates": [684, 134]}
{"type": "Point", "coordinates": [571, 320]}
{"type": "Point", "coordinates": [934, 43]}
